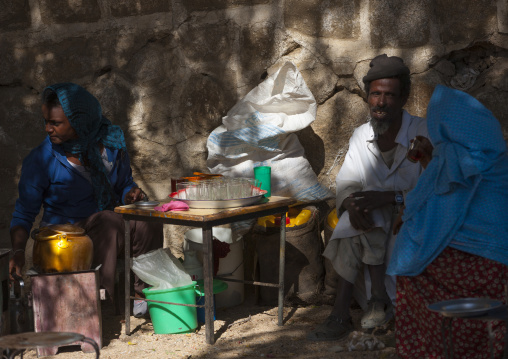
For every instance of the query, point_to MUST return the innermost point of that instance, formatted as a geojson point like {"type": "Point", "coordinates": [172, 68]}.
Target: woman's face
{"type": "Point", "coordinates": [58, 126]}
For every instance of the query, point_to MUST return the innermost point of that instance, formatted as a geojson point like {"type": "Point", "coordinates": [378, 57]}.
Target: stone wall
{"type": "Point", "coordinates": [166, 71]}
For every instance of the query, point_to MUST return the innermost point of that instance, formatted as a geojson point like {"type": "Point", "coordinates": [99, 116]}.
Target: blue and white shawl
{"type": "Point", "coordinates": [461, 199]}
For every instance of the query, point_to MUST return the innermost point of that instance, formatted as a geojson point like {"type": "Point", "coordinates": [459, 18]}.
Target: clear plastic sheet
{"type": "Point", "coordinates": [161, 270]}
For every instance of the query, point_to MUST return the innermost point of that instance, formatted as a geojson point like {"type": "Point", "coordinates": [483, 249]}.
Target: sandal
{"type": "Point", "coordinates": [332, 328]}
{"type": "Point", "coordinates": [377, 315]}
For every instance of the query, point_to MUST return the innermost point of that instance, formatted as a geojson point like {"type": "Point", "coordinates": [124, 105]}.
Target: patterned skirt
{"type": "Point", "coordinates": [452, 275]}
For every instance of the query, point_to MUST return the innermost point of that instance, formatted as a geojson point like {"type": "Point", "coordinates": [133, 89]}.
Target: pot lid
{"type": "Point", "coordinates": [67, 228]}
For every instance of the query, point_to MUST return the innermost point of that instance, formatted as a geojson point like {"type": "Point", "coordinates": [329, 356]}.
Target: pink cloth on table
{"type": "Point", "coordinates": [173, 206]}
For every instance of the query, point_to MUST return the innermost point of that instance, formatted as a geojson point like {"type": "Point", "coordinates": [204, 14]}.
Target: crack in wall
{"type": "Point", "coordinates": [155, 142]}
{"type": "Point", "coordinates": [465, 69]}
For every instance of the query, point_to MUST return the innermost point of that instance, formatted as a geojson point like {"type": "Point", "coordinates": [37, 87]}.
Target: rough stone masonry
{"type": "Point", "coordinates": [166, 71]}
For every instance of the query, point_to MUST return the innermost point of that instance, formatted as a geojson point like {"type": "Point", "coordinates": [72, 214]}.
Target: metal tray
{"type": "Point", "coordinates": [220, 203]}
{"type": "Point", "coordinates": [465, 307]}
{"type": "Point", "coordinates": [146, 204]}
{"type": "Point", "coordinates": [31, 340]}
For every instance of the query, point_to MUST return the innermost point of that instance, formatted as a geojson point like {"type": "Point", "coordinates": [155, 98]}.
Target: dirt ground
{"type": "Point", "coordinates": [244, 331]}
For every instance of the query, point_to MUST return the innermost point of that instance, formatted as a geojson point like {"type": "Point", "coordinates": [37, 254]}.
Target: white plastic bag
{"type": "Point", "coordinates": [258, 131]}
{"type": "Point", "coordinates": [160, 270]}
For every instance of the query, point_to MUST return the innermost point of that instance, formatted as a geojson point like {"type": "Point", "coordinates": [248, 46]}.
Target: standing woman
{"type": "Point", "coordinates": [454, 240]}
{"type": "Point", "coordinates": [79, 173]}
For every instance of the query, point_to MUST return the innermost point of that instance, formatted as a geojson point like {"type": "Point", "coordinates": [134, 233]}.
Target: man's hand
{"type": "Point", "coordinates": [16, 263]}
{"type": "Point", "coordinates": [424, 149]}
{"type": "Point", "coordinates": [135, 194]}
{"type": "Point", "coordinates": [361, 204]}
{"type": "Point", "coordinates": [19, 238]}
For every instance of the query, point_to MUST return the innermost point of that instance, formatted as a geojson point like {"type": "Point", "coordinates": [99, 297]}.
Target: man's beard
{"type": "Point", "coordinates": [379, 127]}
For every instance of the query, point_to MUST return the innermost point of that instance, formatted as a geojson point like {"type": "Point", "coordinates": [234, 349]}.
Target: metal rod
{"type": "Point", "coordinates": [444, 336]}
{"type": "Point", "coordinates": [450, 322]}
{"type": "Point", "coordinates": [171, 303]}
{"type": "Point", "coordinates": [14, 353]}
{"type": "Point", "coordinates": [275, 285]}
{"type": "Point", "coordinates": [282, 261]}
{"type": "Point", "coordinates": [491, 338]}
{"type": "Point", "coordinates": [93, 344]}
{"type": "Point", "coordinates": [127, 277]}
{"type": "Point", "coordinates": [505, 356]}
{"type": "Point", "coordinates": [208, 283]}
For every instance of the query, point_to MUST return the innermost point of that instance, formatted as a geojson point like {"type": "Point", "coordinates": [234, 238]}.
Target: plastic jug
{"type": "Point", "coordinates": [332, 219]}
{"type": "Point", "coordinates": [292, 219]}
{"type": "Point", "coordinates": [192, 265]}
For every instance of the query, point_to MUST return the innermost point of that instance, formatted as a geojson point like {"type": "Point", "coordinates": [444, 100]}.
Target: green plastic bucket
{"type": "Point", "coordinates": [170, 318]}
{"type": "Point", "coordinates": [218, 286]}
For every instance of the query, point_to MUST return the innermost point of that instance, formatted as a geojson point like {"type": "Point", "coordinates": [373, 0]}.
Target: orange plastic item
{"type": "Point", "coordinates": [207, 175]}
{"type": "Point", "coordinates": [193, 179]}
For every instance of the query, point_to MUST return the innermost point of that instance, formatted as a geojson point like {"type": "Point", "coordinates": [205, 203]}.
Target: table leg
{"type": "Point", "coordinates": [446, 334]}
{"type": "Point", "coordinates": [491, 338]}
{"type": "Point", "coordinates": [127, 277]}
{"type": "Point", "coordinates": [282, 261]}
{"type": "Point", "coordinates": [208, 282]}
{"type": "Point", "coordinates": [505, 355]}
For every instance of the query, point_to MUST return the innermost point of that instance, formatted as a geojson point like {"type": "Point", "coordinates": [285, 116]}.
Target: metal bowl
{"type": "Point", "coordinates": [146, 204]}
{"type": "Point", "coordinates": [465, 307]}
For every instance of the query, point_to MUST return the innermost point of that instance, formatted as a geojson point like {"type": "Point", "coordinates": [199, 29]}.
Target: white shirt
{"type": "Point", "coordinates": [364, 168]}
{"type": "Point", "coordinates": [86, 173]}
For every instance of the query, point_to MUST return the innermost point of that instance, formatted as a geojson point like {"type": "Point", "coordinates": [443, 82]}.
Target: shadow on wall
{"type": "Point", "coordinates": [168, 86]}
{"type": "Point", "coordinates": [313, 144]}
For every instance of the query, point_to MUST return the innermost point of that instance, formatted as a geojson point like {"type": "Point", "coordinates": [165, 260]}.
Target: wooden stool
{"type": "Point", "coordinates": [29, 340]}
{"type": "Point", "coordinates": [67, 302]}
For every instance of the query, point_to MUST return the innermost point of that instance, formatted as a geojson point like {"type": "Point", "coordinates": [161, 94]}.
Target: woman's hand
{"type": "Point", "coordinates": [135, 194]}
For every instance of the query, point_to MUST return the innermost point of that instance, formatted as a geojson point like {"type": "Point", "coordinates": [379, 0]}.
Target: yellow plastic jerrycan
{"type": "Point", "coordinates": [302, 218]}
{"type": "Point", "coordinates": [332, 219]}
{"type": "Point", "coordinates": [271, 221]}
{"type": "Point", "coordinates": [292, 219]}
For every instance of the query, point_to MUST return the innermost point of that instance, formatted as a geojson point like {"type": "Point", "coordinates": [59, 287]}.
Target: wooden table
{"type": "Point", "coordinates": [207, 219]}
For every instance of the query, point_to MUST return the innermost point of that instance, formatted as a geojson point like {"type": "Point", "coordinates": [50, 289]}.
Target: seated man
{"type": "Point", "coordinates": [79, 173]}
{"type": "Point", "coordinates": [370, 187]}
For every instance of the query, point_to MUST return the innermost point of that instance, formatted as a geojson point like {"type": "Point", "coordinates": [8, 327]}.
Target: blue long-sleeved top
{"type": "Point", "coordinates": [48, 179]}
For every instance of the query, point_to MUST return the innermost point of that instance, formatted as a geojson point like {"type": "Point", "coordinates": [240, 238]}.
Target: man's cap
{"type": "Point", "coordinates": [383, 66]}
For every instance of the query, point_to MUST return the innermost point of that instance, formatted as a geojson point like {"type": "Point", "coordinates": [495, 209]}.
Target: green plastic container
{"type": "Point", "coordinates": [264, 175]}
{"type": "Point", "coordinates": [170, 318]}
{"type": "Point", "coordinates": [218, 286]}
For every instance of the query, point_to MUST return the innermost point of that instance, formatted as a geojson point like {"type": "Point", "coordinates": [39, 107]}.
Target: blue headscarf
{"type": "Point", "coordinates": [85, 116]}
{"type": "Point", "coordinates": [461, 199]}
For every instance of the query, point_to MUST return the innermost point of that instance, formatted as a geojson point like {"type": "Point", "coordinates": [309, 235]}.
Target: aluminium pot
{"type": "Point", "coordinates": [62, 248]}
